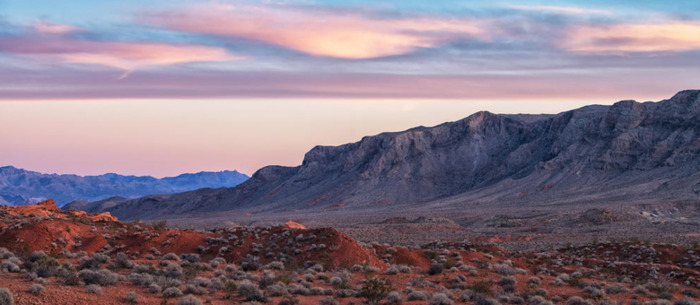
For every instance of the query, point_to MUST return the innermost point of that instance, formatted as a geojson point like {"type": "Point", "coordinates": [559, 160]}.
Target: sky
{"type": "Point", "coordinates": [162, 87]}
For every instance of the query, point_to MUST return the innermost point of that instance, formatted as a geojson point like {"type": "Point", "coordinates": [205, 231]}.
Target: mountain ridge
{"type": "Point", "coordinates": [588, 154]}
{"type": "Point", "coordinates": [19, 186]}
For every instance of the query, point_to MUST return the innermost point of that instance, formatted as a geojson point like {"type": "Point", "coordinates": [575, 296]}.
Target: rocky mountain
{"type": "Point", "coordinates": [629, 152]}
{"type": "Point", "coordinates": [19, 186]}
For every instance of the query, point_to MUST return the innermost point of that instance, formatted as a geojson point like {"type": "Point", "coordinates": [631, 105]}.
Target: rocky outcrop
{"type": "Point", "coordinates": [624, 152]}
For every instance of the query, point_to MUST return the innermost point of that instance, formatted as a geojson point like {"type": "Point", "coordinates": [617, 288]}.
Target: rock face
{"type": "Point", "coordinates": [18, 186]}
{"type": "Point", "coordinates": [626, 152]}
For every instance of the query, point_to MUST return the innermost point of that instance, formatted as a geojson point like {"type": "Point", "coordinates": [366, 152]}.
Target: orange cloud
{"type": "Point", "coordinates": [627, 38]}
{"type": "Point", "coordinates": [332, 34]}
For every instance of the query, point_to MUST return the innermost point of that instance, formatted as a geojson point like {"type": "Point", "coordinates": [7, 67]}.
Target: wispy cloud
{"type": "Point", "coordinates": [559, 9]}
{"type": "Point", "coordinates": [316, 50]}
{"type": "Point", "coordinates": [630, 38]}
{"type": "Point", "coordinates": [46, 42]}
{"type": "Point", "coordinates": [48, 27]}
{"type": "Point", "coordinates": [330, 33]}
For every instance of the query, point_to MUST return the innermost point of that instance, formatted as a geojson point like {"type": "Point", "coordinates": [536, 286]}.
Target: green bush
{"type": "Point", "coordinates": [375, 290]}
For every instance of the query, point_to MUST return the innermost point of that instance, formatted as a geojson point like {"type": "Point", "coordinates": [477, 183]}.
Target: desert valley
{"type": "Point", "coordinates": [348, 152]}
{"type": "Point", "coordinates": [596, 205]}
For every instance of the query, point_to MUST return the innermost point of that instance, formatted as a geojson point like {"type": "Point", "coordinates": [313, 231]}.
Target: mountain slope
{"type": "Point", "coordinates": [619, 153]}
{"type": "Point", "coordinates": [19, 186]}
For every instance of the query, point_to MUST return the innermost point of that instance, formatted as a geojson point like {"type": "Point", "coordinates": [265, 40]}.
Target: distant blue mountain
{"type": "Point", "coordinates": [19, 186]}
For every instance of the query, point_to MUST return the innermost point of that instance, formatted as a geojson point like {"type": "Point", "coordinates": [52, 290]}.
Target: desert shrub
{"type": "Point", "coordinates": [250, 263]}
{"type": "Point", "coordinates": [418, 296]}
{"type": "Point", "coordinates": [277, 289]}
{"type": "Point", "coordinates": [131, 298]}
{"type": "Point", "coordinates": [486, 301]}
{"type": "Point", "coordinates": [508, 283]}
{"type": "Point", "coordinates": [10, 266]}
{"type": "Point", "coordinates": [88, 263]}
{"type": "Point", "coordinates": [288, 301]}
{"type": "Point", "coordinates": [102, 277]}
{"type": "Point", "coordinates": [40, 264]}
{"type": "Point", "coordinates": [540, 292]}
{"type": "Point", "coordinates": [200, 281]}
{"type": "Point", "coordinates": [435, 268]}
{"type": "Point", "coordinates": [216, 262]}
{"type": "Point", "coordinates": [5, 254]}
{"type": "Point", "coordinates": [190, 257]}
{"type": "Point", "coordinates": [595, 292]}
{"type": "Point", "coordinates": [686, 301]}
{"type": "Point", "coordinates": [505, 269]}
{"type": "Point", "coordinates": [322, 277]}
{"type": "Point", "coordinates": [316, 291]}
{"type": "Point", "coordinates": [639, 289]}
{"type": "Point", "coordinates": [467, 296]}
{"type": "Point", "coordinates": [94, 289]}
{"type": "Point", "coordinates": [275, 265]}
{"type": "Point", "coordinates": [122, 261]}
{"type": "Point", "coordinates": [533, 281]}
{"type": "Point", "coordinates": [657, 302]}
{"type": "Point", "coordinates": [392, 270]}
{"type": "Point", "coordinates": [154, 288]}
{"type": "Point", "coordinates": [666, 295]}
{"type": "Point", "coordinates": [308, 277]}
{"type": "Point", "coordinates": [344, 293]}
{"type": "Point", "coordinates": [71, 279]}
{"type": "Point", "coordinates": [607, 302]}
{"type": "Point", "coordinates": [6, 297]}
{"type": "Point", "coordinates": [690, 293]}
{"type": "Point", "coordinates": [298, 289]}
{"type": "Point", "coordinates": [141, 279]}
{"type": "Point", "coordinates": [615, 289]}
{"type": "Point", "coordinates": [36, 289]}
{"type": "Point", "coordinates": [172, 292]}
{"type": "Point", "coordinates": [192, 289]}
{"type": "Point", "coordinates": [440, 299]}
{"type": "Point", "coordinates": [374, 290]}
{"type": "Point", "coordinates": [170, 257]}
{"type": "Point", "coordinates": [394, 297]}
{"type": "Point", "coordinates": [536, 300]}
{"type": "Point", "coordinates": [576, 300]}
{"type": "Point", "coordinates": [481, 287]}
{"type": "Point", "coordinates": [327, 301]}
{"type": "Point", "coordinates": [336, 281]}
{"type": "Point", "coordinates": [250, 291]}
{"type": "Point", "coordinates": [160, 225]}
{"type": "Point", "coordinates": [147, 268]}
{"type": "Point", "coordinates": [37, 255]}
{"type": "Point", "coordinates": [173, 271]}
{"type": "Point", "coordinates": [189, 300]}
{"type": "Point", "coordinates": [167, 282]}
{"type": "Point", "coordinates": [516, 300]}
{"type": "Point", "coordinates": [557, 282]}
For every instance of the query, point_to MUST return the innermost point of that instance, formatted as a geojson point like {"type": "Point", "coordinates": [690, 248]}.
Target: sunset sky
{"type": "Point", "coordinates": [162, 87]}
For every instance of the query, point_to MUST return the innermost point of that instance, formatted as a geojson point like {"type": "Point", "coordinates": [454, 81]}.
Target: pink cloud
{"type": "Point", "coordinates": [126, 56]}
{"type": "Point", "coordinates": [47, 27]}
{"type": "Point", "coordinates": [330, 33]}
{"type": "Point", "coordinates": [630, 38]}
{"type": "Point", "coordinates": [560, 9]}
